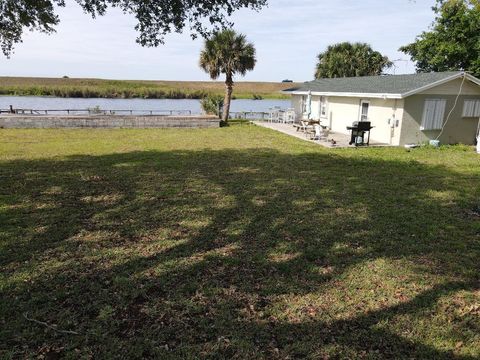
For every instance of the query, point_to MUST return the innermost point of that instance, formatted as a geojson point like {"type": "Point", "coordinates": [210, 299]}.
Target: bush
{"type": "Point", "coordinates": [95, 110]}
{"type": "Point", "coordinates": [211, 104]}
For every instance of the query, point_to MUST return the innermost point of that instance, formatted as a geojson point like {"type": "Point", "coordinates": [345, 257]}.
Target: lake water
{"type": "Point", "coordinates": [53, 103]}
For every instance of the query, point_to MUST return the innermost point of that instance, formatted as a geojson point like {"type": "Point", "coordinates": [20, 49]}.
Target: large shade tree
{"type": "Point", "coordinates": [228, 53]}
{"type": "Point", "coordinates": [350, 60]}
{"type": "Point", "coordinates": [155, 18]}
{"type": "Point", "coordinates": [453, 42]}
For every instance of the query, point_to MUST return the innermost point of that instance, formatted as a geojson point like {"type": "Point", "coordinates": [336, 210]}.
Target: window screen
{"type": "Point", "coordinates": [433, 114]}
{"type": "Point", "coordinates": [471, 108]}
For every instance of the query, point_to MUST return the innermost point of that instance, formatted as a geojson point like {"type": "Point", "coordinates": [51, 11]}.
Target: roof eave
{"type": "Point", "coordinates": [345, 94]}
{"type": "Point", "coordinates": [389, 95]}
{"type": "Point", "coordinates": [441, 82]}
{"type": "Point", "coordinates": [472, 78]}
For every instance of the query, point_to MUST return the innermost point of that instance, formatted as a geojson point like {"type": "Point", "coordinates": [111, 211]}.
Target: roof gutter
{"type": "Point", "coordinates": [345, 94]}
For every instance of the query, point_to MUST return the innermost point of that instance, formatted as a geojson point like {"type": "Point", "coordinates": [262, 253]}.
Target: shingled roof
{"type": "Point", "coordinates": [397, 85]}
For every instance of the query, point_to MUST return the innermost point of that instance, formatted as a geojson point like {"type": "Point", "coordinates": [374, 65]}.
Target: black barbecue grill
{"type": "Point", "coordinates": [358, 131]}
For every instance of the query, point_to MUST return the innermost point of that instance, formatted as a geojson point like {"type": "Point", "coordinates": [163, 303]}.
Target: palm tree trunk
{"type": "Point", "coordinates": [228, 97]}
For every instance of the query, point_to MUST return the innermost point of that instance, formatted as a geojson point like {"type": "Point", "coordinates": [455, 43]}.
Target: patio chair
{"type": "Point", "coordinates": [290, 116]}
{"type": "Point", "coordinates": [324, 133]}
{"type": "Point", "coordinates": [272, 115]}
{"type": "Point", "coordinates": [317, 132]}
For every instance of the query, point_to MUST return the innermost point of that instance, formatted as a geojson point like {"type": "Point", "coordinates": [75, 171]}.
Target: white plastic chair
{"type": "Point", "coordinates": [317, 132]}
{"type": "Point", "coordinates": [272, 114]}
{"type": "Point", "coordinates": [290, 116]}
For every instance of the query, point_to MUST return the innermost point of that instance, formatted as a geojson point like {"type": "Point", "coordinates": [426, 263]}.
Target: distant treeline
{"type": "Point", "coordinates": [93, 88]}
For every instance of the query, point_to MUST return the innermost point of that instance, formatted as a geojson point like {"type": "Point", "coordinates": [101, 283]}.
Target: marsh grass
{"type": "Point", "coordinates": [235, 243]}
{"type": "Point", "coordinates": [98, 88]}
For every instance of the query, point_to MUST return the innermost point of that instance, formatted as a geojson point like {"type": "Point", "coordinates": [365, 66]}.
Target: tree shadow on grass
{"type": "Point", "coordinates": [252, 253]}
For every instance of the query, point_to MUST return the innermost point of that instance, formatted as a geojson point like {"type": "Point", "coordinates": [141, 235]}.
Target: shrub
{"type": "Point", "coordinates": [211, 104]}
{"type": "Point", "coordinates": [95, 110]}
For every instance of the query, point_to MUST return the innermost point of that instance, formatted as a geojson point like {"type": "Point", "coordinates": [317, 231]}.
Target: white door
{"type": "Point", "coordinates": [364, 106]}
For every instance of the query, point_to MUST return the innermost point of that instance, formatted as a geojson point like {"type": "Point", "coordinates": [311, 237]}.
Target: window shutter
{"type": "Point", "coordinates": [440, 106]}
{"type": "Point", "coordinates": [433, 114]}
{"type": "Point", "coordinates": [468, 108]}
{"type": "Point", "coordinates": [471, 108]}
{"type": "Point", "coordinates": [428, 114]}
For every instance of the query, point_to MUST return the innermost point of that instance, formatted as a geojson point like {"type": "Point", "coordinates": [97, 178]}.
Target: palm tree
{"type": "Point", "coordinates": [229, 53]}
{"type": "Point", "coordinates": [350, 60]}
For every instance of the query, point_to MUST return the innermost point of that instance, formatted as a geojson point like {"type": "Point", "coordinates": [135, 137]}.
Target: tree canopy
{"type": "Point", "coordinates": [229, 53]}
{"type": "Point", "coordinates": [155, 18]}
{"type": "Point", "coordinates": [350, 60]}
{"type": "Point", "coordinates": [453, 42]}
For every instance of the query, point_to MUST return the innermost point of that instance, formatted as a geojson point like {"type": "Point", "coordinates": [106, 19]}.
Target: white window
{"type": "Point", "coordinates": [471, 108]}
{"type": "Point", "coordinates": [304, 104]}
{"type": "Point", "coordinates": [364, 108]}
{"type": "Point", "coordinates": [433, 114]}
{"type": "Point", "coordinates": [323, 107]}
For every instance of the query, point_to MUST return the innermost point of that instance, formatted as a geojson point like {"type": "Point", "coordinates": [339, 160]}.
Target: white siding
{"type": "Point", "coordinates": [385, 116]}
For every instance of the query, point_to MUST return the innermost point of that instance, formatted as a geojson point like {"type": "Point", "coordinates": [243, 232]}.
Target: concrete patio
{"type": "Point", "coordinates": [339, 140]}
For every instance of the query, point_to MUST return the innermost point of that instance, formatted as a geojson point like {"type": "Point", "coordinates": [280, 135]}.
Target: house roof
{"type": "Point", "coordinates": [388, 86]}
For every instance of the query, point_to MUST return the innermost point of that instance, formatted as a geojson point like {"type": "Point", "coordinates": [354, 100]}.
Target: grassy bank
{"type": "Point", "coordinates": [89, 88]}
{"type": "Point", "coordinates": [235, 243]}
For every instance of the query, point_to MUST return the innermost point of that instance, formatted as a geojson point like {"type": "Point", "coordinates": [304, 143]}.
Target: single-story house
{"type": "Point", "coordinates": [404, 109]}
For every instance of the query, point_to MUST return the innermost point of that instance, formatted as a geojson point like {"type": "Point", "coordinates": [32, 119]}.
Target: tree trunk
{"type": "Point", "coordinates": [228, 97]}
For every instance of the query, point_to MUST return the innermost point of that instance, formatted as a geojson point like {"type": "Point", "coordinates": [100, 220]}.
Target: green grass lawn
{"type": "Point", "coordinates": [237, 242]}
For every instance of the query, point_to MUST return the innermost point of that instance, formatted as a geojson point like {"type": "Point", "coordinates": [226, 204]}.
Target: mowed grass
{"type": "Point", "coordinates": [236, 242]}
{"type": "Point", "coordinates": [91, 88]}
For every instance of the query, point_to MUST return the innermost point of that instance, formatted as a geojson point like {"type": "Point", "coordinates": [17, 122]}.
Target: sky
{"type": "Point", "coordinates": [288, 35]}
